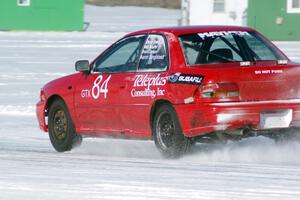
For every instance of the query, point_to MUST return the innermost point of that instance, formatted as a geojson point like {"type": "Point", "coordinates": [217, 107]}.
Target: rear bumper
{"type": "Point", "coordinates": [199, 119]}
{"type": "Point", "coordinates": [40, 113]}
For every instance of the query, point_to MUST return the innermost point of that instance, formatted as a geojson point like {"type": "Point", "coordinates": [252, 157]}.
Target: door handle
{"type": "Point", "coordinates": [122, 86]}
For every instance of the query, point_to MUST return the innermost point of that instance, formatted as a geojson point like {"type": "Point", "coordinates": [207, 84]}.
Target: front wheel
{"type": "Point", "coordinates": [61, 128]}
{"type": "Point", "coordinates": [167, 133]}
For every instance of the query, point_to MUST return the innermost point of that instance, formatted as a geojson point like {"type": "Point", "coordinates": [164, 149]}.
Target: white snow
{"type": "Point", "coordinates": [254, 168]}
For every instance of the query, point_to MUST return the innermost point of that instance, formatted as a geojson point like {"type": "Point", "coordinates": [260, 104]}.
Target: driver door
{"type": "Point", "coordinates": [98, 95]}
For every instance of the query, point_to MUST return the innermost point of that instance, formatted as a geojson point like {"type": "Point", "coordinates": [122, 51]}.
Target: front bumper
{"type": "Point", "coordinates": [199, 119]}
{"type": "Point", "coordinates": [40, 113]}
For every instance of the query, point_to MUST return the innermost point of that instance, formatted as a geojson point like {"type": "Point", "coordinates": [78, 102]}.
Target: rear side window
{"type": "Point", "coordinates": [191, 45]}
{"type": "Point", "coordinates": [154, 54]}
{"type": "Point", "coordinates": [227, 46]}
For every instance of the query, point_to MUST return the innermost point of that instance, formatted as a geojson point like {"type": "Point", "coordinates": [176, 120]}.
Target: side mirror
{"type": "Point", "coordinates": [82, 66]}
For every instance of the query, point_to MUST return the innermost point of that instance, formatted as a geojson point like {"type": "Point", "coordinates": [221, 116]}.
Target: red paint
{"type": "Point", "coordinates": [120, 113]}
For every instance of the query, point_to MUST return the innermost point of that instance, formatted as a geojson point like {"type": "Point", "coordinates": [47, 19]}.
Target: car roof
{"type": "Point", "coordinates": [183, 30]}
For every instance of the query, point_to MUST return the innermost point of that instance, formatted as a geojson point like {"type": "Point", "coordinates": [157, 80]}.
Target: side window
{"type": "Point", "coordinates": [191, 55]}
{"type": "Point", "coordinates": [192, 46]}
{"type": "Point", "coordinates": [23, 2]}
{"type": "Point", "coordinates": [293, 6]}
{"type": "Point", "coordinates": [154, 54]}
{"type": "Point", "coordinates": [121, 57]}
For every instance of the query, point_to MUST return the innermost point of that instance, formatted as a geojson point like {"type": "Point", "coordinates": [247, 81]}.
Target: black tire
{"type": "Point", "coordinates": [61, 128]}
{"type": "Point", "coordinates": [167, 133]}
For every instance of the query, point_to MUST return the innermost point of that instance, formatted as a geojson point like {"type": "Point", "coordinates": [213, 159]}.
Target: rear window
{"type": "Point", "coordinates": [227, 46]}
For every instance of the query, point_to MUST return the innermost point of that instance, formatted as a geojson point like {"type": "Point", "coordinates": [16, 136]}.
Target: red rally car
{"type": "Point", "coordinates": [176, 85]}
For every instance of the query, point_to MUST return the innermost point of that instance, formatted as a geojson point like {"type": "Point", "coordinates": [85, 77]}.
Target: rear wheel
{"type": "Point", "coordinates": [167, 133]}
{"type": "Point", "coordinates": [61, 128]}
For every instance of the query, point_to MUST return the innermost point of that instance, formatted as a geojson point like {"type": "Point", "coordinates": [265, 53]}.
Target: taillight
{"type": "Point", "coordinates": [219, 91]}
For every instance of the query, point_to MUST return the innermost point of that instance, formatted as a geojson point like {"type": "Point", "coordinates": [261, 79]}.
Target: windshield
{"type": "Point", "coordinates": [227, 46]}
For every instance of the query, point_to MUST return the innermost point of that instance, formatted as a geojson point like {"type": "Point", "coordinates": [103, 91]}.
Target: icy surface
{"type": "Point", "coordinates": [255, 168]}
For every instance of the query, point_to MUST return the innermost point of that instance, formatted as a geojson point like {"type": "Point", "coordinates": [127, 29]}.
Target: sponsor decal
{"type": "Point", "coordinates": [222, 33]}
{"type": "Point", "coordinates": [186, 79]}
{"type": "Point", "coordinates": [147, 92]}
{"type": "Point", "coordinates": [143, 86]}
{"type": "Point", "coordinates": [153, 49]}
{"type": "Point", "coordinates": [99, 87]}
{"type": "Point", "coordinates": [148, 81]}
{"type": "Point", "coordinates": [269, 71]}
{"type": "Point", "coordinates": [85, 94]}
